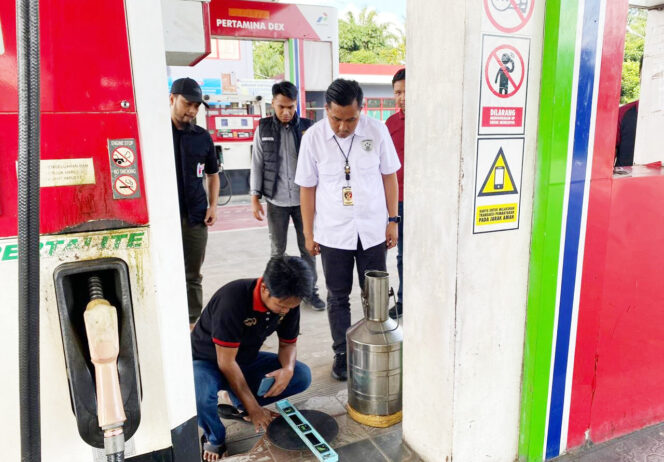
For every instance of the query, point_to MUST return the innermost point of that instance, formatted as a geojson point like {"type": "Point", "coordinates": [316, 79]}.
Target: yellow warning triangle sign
{"type": "Point", "coordinates": [499, 180]}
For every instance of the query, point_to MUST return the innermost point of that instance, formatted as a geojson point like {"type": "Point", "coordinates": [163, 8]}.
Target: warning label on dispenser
{"type": "Point", "coordinates": [66, 172]}
{"type": "Point", "coordinates": [125, 185]}
{"type": "Point", "coordinates": [124, 169]}
{"type": "Point", "coordinates": [498, 184]}
{"type": "Point", "coordinates": [123, 157]}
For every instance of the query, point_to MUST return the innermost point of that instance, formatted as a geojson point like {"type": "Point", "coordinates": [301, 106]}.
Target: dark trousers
{"type": "Point", "coordinates": [194, 241]}
{"type": "Point", "coordinates": [277, 223]}
{"type": "Point", "coordinates": [338, 269]}
{"type": "Point", "coordinates": [400, 254]}
{"type": "Point", "coordinates": [208, 380]}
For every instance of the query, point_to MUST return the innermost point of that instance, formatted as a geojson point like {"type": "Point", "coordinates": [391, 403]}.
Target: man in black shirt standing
{"type": "Point", "coordinates": [195, 158]}
{"type": "Point", "coordinates": [226, 343]}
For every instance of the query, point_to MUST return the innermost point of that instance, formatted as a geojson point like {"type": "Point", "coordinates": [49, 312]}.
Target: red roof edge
{"type": "Point", "coordinates": [369, 69]}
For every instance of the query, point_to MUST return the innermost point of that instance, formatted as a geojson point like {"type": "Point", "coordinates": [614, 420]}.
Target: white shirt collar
{"type": "Point", "coordinates": [359, 130]}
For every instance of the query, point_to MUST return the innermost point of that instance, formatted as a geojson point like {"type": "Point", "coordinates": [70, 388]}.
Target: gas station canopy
{"type": "Point", "coordinates": [648, 4]}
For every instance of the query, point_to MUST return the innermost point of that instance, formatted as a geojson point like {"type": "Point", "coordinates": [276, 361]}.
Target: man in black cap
{"type": "Point", "coordinates": [195, 158]}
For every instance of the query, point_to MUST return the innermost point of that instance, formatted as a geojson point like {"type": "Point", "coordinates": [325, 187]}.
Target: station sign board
{"type": "Point", "coordinates": [238, 18]}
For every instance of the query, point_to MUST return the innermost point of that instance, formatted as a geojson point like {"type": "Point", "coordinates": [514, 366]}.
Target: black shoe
{"type": "Point", "coordinates": [396, 311]}
{"type": "Point", "coordinates": [339, 368]}
{"type": "Point", "coordinates": [315, 301]}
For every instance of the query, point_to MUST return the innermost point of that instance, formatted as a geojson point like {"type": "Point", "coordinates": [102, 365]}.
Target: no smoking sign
{"type": "Point", "coordinates": [124, 168]}
{"type": "Point", "coordinates": [503, 86]}
{"type": "Point", "coordinates": [126, 185]}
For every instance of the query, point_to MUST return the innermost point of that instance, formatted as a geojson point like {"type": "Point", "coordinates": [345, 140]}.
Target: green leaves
{"type": "Point", "coordinates": [634, 40]}
{"type": "Point", "coordinates": [268, 59]}
{"type": "Point", "coordinates": [363, 40]}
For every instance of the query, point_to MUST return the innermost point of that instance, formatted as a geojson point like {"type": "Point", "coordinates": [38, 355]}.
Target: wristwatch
{"type": "Point", "coordinates": [394, 219]}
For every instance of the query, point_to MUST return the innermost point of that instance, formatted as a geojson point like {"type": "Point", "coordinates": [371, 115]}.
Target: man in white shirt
{"type": "Point", "coordinates": [349, 198]}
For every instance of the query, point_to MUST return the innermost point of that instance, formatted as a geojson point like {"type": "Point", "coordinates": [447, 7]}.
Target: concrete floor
{"type": "Point", "coordinates": [239, 247]}
{"type": "Point", "coordinates": [645, 445]}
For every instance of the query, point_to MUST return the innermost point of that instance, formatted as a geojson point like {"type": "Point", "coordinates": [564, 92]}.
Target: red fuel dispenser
{"type": "Point", "coordinates": [97, 238]}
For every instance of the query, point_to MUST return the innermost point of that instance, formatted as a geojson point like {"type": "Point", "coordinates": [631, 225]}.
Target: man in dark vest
{"type": "Point", "coordinates": [274, 160]}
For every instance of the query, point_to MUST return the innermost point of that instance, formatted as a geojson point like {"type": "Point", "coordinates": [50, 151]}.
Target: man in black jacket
{"type": "Point", "coordinates": [195, 158]}
{"type": "Point", "coordinates": [274, 159]}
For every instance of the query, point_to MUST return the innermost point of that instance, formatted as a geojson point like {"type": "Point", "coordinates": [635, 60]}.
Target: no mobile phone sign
{"type": "Point", "coordinates": [503, 86]}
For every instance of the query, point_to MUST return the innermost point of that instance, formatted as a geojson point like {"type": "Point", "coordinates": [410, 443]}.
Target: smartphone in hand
{"type": "Point", "coordinates": [265, 385]}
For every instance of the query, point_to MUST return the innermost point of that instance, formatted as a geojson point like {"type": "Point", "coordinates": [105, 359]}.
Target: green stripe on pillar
{"type": "Point", "coordinates": [291, 60]}
{"type": "Point", "coordinates": [553, 134]}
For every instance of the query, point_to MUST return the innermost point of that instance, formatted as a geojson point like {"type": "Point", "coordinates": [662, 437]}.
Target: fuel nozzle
{"type": "Point", "coordinates": [101, 325]}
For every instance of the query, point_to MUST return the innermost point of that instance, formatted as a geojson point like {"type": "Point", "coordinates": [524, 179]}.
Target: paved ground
{"type": "Point", "coordinates": [646, 445]}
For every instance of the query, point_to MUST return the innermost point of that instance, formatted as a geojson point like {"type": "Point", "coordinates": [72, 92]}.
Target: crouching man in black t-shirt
{"type": "Point", "coordinates": [226, 344]}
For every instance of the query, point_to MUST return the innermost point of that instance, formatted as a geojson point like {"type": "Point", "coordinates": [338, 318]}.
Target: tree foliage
{"type": "Point", "coordinates": [634, 40]}
{"type": "Point", "coordinates": [363, 40]}
{"type": "Point", "coordinates": [268, 59]}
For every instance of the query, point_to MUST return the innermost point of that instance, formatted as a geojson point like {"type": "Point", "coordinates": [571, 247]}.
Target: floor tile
{"type": "Point", "coordinates": [349, 432]}
{"type": "Point", "coordinates": [393, 448]}
{"type": "Point", "coordinates": [342, 396]}
{"type": "Point", "coordinates": [328, 404]}
{"type": "Point", "coordinates": [242, 446]}
{"type": "Point", "coordinates": [361, 451]}
{"type": "Point", "coordinates": [281, 455]}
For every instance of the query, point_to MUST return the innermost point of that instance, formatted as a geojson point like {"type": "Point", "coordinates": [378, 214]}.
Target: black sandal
{"type": "Point", "coordinates": [226, 411]}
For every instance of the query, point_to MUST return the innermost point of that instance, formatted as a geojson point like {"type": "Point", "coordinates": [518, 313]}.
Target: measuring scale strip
{"type": "Point", "coordinates": [306, 432]}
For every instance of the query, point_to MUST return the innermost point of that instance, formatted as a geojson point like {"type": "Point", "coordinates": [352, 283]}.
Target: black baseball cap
{"type": "Point", "coordinates": [188, 88]}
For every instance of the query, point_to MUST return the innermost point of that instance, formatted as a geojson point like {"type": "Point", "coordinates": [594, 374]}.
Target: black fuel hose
{"type": "Point", "coordinates": [27, 53]}
{"type": "Point", "coordinates": [225, 187]}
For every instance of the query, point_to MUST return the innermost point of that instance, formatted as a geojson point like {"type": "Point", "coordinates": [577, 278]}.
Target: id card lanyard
{"type": "Point", "coordinates": [346, 191]}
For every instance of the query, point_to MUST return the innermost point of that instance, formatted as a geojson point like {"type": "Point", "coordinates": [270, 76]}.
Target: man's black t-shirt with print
{"type": "Point", "coordinates": [235, 317]}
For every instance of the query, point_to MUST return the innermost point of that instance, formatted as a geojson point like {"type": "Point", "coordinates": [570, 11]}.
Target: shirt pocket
{"type": "Point", "coordinates": [330, 172]}
{"type": "Point", "coordinates": [368, 162]}
{"type": "Point", "coordinates": [196, 152]}
{"type": "Point", "coordinates": [331, 179]}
